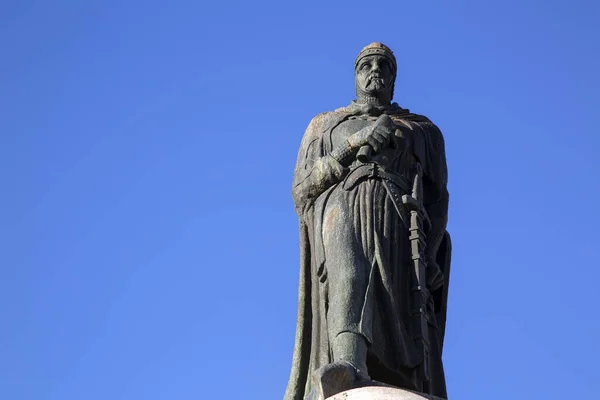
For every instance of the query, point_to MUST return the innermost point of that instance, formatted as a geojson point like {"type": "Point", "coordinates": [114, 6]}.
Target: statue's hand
{"type": "Point", "coordinates": [377, 135]}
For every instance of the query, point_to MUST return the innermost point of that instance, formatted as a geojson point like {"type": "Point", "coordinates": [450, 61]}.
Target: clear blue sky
{"type": "Point", "coordinates": [148, 241]}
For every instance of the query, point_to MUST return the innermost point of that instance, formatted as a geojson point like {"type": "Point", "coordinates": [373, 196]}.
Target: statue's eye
{"type": "Point", "coordinates": [365, 66]}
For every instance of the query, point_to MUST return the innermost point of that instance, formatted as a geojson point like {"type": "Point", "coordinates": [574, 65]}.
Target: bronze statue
{"type": "Point", "coordinates": [370, 193]}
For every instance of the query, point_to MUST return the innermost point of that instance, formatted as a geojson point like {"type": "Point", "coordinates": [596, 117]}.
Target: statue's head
{"type": "Point", "coordinates": [375, 74]}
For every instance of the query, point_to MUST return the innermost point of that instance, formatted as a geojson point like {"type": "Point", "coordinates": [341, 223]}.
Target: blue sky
{"type": "Point", "coordinates": [149, 246]}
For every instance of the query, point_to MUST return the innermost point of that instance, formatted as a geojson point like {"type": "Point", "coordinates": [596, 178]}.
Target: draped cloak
{"type": "Point", "coordinates": [392, 356]}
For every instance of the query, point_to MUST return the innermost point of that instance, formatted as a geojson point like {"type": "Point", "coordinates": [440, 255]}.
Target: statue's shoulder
{"type": "Point", "coordinates": [433, 131]}
{"type": "Point", "coordinates": [321, 122]}
{"type": "Point", "coordinates": [344, 110]}
{"type": "Point", "coordinates": [429, 136]}
{"type": "Point", "coordinates": [319, 119]}
{"type": "Point", "coordinates": [428, 126]}
{"type": "Point", "coordinates": [412, 117]}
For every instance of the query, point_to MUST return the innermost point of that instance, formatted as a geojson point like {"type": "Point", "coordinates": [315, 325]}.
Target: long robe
{"type": "Point", "coordinates": [384, 305]}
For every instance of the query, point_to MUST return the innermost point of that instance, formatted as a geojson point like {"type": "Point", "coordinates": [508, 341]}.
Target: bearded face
{"type": "Point", "coordinates": [375, 76]}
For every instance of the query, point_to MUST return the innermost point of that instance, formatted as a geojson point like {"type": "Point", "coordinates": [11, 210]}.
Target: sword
{"type": "Point", "coordinates": [421, 295]}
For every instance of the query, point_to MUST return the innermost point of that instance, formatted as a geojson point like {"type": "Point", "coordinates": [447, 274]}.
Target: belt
{"type": "Point", "coordinates": [391, 181]}
{"type": "Point", "coordinates": [374, 171]}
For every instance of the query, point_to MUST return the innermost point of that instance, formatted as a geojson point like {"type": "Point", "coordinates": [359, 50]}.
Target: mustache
{"type": "Point", "coordinates": [372, 77]}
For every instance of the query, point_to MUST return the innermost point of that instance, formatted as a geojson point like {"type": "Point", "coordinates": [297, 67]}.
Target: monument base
{"type": "Point", "coordinates": [381, 393]}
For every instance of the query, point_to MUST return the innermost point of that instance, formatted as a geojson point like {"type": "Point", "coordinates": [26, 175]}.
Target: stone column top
{"type": "Point", "coordinates": [381, 393]}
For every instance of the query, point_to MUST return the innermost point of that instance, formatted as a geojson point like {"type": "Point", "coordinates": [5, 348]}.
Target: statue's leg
{"type": "Point", "coordinates": [347, 280]}
{"type": "Point", "coordinates": [348, 277]}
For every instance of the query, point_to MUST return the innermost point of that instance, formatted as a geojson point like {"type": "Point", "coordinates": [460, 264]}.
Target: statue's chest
{"type": "Point", "coordinates": [397, 155]}
{"type": "Point", "coordinates": [347, 128]}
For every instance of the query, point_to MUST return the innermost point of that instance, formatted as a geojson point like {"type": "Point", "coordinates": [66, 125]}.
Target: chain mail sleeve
{"type": "Point", "coordinates": [315, 170]}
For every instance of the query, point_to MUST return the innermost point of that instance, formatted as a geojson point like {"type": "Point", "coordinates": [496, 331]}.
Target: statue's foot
{"type": "Point", "coordinates": [335, 378]}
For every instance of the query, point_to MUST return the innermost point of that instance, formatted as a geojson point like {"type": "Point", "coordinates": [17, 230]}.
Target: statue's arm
{"type": "Point", "coordinates": [436, 199]}
{"type": "Point", "coordinates": [315, 171]}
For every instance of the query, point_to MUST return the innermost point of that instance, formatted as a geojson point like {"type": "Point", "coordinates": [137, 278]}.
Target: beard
{"type": "Point", "coordinates": [375, 89]}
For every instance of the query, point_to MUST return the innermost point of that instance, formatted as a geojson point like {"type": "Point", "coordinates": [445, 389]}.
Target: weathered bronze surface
{"type": "Point", "coordinates": [370, 190]}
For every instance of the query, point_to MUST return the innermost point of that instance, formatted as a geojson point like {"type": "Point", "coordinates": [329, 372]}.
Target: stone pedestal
{"type": "Point", "coordinates": [380, 393]}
